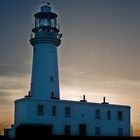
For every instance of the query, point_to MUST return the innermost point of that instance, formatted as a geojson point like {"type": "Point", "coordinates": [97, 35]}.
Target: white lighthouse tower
{"type": "Point", "coordinates": [46, 39]}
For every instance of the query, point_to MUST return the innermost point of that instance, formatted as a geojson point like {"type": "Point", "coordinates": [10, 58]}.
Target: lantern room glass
{"type": "Point", "coordinates": [46, 22]}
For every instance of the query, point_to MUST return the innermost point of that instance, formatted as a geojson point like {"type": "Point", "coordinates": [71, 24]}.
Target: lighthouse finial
{"type": "Point", "coordinates": [46, 1]}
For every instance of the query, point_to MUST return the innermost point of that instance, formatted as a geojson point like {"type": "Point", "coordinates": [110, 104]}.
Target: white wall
{"type": "Point", "coordinates": [45, 65]}
{"type": "Point", "coordinates": [81, 113]}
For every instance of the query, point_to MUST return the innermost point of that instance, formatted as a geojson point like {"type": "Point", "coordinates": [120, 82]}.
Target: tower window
{"type": "Point", "coordinates": [67, 112]}
{"type": "Point", "coordinates": [40, 110]}
{"type": "Point", "coordinates": [97, 131]}
{"type": "Point", "coordinates": [34, 50]}
{"type": "Point", "coordinates": [52, 95]}
{"type": "Point", "coordinates": [67, 129]}
{"type": "Point", "coordinates": [120, 115]}
{"type": "Point", "coordinates": [54, 110]}
{"type": "Point", "coordinates": [51, 78]}
{"type": "Point", "coordinates": [120, 131]}
{"type": "Point", "coordinates": [97, 114]}
{"type": "Point", "coordinates": [109, 115]}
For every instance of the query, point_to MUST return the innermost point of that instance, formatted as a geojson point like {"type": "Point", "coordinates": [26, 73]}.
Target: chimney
{"type": "Point", "coordinates": [104, 102]}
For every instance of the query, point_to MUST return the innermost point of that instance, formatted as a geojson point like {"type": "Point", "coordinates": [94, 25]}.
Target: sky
{"type": "Point", "coordinates": [99, 54]}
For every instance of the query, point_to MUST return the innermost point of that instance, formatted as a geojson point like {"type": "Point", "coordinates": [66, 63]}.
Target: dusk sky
{"type": "Point", "coordinates": [99, 54]}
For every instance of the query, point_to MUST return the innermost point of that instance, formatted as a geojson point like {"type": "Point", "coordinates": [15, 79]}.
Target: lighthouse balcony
{"type": "Point", "coordinates": [48, 28]}
{"type": "Point", "coordinates": [45, 38]}
{"type": "Point", "coordinates": [45, 33]}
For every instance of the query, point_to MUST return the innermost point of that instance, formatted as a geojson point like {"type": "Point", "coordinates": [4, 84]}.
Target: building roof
{"type": "Point", "coordinates": [72, 102]}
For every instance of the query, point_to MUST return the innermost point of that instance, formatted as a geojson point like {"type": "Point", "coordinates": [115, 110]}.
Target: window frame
{"type": "Point", "coordinates": [120, 131]}
{"type": "Point", "coordinates": [40, 109]}
{"type": "Point", "coordinates": [53, 110]}
{"type": "Point", "coordinates": [97, 114]}
{"type": "Point", "coordinates": [108, 115]}
{"type": "Point", "coordinates": [67, 129]}
{"type": "Point", "coordinates": [51, 79]}
{"type": "Point", "coordinates": [97, 131]}
{"type": "Point", "coordinates": [120, 115]}
{"type": "Point", "coordinates": [67, 111]}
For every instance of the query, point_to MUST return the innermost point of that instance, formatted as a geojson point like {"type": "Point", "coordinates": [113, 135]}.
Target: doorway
{"type": "Point", "coordinates": [82, 129]}
{"type": "Point", "coordinates": [33, 131]}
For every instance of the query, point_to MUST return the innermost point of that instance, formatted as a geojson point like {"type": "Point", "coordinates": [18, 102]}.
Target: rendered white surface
{"type": "Point", "coordinates": [81, 113]}
{"type": "Point", "coordinates": [45, 66]}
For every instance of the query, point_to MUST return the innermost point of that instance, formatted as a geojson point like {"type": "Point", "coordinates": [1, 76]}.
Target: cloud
{"type": "Point", "coordinates": [80, 78]}
{"type": "Point", "coordinates": [75, 83]}
{"type": "Point", "coordinates": [14, 82]}
{"type": "Point", "coordinates": [12, 88]}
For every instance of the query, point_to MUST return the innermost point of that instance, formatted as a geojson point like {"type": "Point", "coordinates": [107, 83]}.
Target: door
{"type": "Point", "coordinates": [82, 130]}
{"type": "Point", "coordinates": [33, 131]}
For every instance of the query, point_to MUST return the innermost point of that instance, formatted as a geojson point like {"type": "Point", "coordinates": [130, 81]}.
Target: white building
{"type": "Point", "coordinates": [42, 110]}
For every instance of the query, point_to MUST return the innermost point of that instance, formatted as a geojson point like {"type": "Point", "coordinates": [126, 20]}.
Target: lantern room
{"type": "Point", "coordinates": [45, 20]}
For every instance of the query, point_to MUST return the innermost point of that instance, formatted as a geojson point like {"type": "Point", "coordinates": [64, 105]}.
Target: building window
{"type": "Point", "coordinates": [40, 110]}
{"type": "Point", "coordinates": [97, 114]}
{"type": "Point", "coordinates": [54, 110]}
{"type": "Point", "coordinates": [97, 131]}
{"type": "Point", "coordinates": [120, 115]}
{"type": "Point", "coordinates": [120, 131]}
{"type": "Point", "coordinates": [67, 129]}
{"type": "Point", "coordinates": [109, 115]}
{"type": "Point", "coordinates": [67, 112]}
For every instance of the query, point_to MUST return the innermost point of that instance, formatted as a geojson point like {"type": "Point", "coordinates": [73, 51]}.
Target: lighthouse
{"type": "Point", "coordinates": [42, 113]}
{"type": "Point", "coordinates": [45, 39]}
